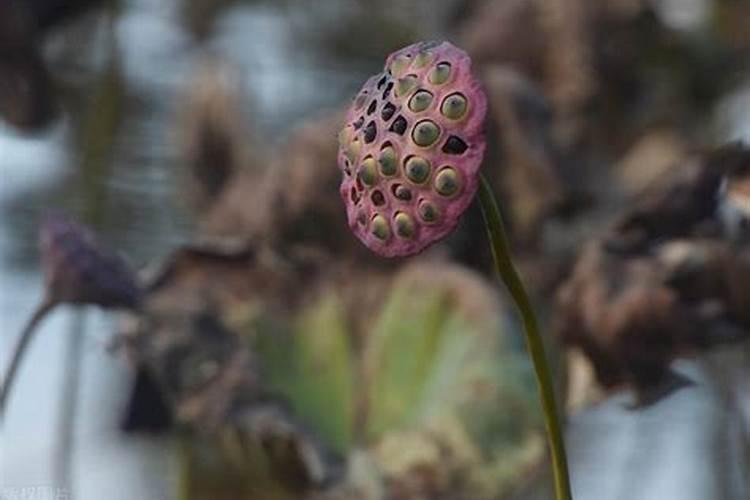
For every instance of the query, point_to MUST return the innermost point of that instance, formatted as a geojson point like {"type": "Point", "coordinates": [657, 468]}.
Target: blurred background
{"type": "Point", "coordinates": [274, 356]}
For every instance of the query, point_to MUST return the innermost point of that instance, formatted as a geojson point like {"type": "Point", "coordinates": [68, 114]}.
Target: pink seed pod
{"type": "Point", "coordinates": [411, 149]}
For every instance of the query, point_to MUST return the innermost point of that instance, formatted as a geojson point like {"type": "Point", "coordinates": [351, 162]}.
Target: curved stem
{"type": "Point", "coordinates": [509, 275]}
{"type": "Point", "coordinates": [23, 342]}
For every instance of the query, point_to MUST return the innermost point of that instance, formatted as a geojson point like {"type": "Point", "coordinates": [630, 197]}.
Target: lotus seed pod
{"type": "Point", "coordinates": [79, 271]}
{"type": "Point", "coordinates": [411, 149]}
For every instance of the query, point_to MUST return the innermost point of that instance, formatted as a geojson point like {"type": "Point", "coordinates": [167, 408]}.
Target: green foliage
{"type": "Point", "coordinates": [427, 359]}
{"type": "Point", "coordinates": [405, 340]}
{"type": "Point", "coordinates": [434, 376]}
{"type": "Point", "coordinates": [311, 363]}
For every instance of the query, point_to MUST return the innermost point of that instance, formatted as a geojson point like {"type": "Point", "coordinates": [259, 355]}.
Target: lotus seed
{"type": "Point", "coordinates": [388, 161]}
{"type": "Point", "coordinates": [440, 74]}
{"type": "Point", "coordinates": [379, 227]}
{"type": "Point", "coordinates": [425, 133]}
{"type": "Point", "coordinates": [417, 169]}
{"type": "Point", "coordinates": [405, 85]}
{"type": "Point", "coordinates": [447, 182]}
{"type": "Point", "coordinates": [355, 147]}
{"type": "Point", "coordinates": [368, 172]}
{"type": "Point", "coordinates": [423, 59]}
{"type": "Point", "coordinates": [401, 192]}
{"type": "Point", "coordinates": [420, 101]}
{"type": "Point", "coordinates": [404, 225]}
{"type": "Point", "coordinates": [399, 65]}
{"type": "Point", "coordinates": [454, 106]}
{"type": "Point", "coordinates": [428, 212]}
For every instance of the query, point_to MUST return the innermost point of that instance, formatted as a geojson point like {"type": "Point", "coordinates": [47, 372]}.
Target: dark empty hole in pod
{"type": "Point", "coordinates": [354, 195]}
{"type": "Point", "coordinates": [455, 146]}
{"type": "Point", "coordinates": [399, 125]}
{"type": "Point", "coordinates": [401, 192]}
{"type": "Point", "coordinates": [377, 198]}
{"type": "Point", "coordinates": [360, 186]}
{"type": "Point", "coordinates": [382, 81]}
{"type": "Point", "coordinates": [371, 131]}
{"type": "Point", "coordinates": [372, 107]}
{"type": "Point", "coordinates": [361, 219]}
{"type": "Point", "coordinates": [360, 121]}
{"type": "Point", "coordinates": [387, 112]}
{"type": "Point", "coordinates": [387, 90]}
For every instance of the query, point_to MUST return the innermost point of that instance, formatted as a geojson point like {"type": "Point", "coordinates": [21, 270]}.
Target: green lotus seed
{"type": "Point", "coordinates": [352, 152]}
{"type": "Point", "coordinates": [423, 59]}
{"type": "Point", "coordinates": [428, 212]}
{"type": "Point", "coordinates": [447, 182]}
{"type": "Point", "coordinates": [368, 172]}
{"type": "Point", "coordinates": [425, 133]}
{"type": "Point", "coordinates": [403, 193]}
{"type": "Point", "coordinates": [454, 106]}
{"type": "Point", "coordinates": [405, 85]}
{"type": "Point", "coordinates": [379, 227]}
{"type": "Point", "coordinates": [404, 225]}
{"type": "Point", "coordinates": [388, 161]}
{"type": "Point", "coordinates": [344, 136]}
{"type": "Point", "coordinates": [420, 101]}
{"type": "Point", "coordinates": [440, 74]}
{"type": "Point", "coordinates": [399, 65]}
{"type": "Point", "coordinates": [417, 169]}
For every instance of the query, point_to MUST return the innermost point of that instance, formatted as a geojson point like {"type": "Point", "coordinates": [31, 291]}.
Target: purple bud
{"type": "Point", "coordinates": [79, 271]}
{"type": "Point", "coordinates": [411, 149]}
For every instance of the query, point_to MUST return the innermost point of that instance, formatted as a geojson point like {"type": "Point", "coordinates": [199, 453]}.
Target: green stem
{"type": "Point", "coordinates": [506, 270]}
{"type": "Point", "coordinates": [183, 449]}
